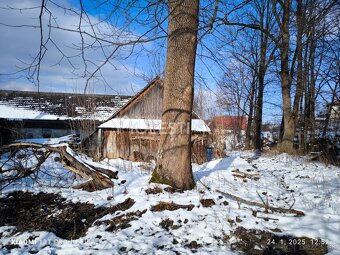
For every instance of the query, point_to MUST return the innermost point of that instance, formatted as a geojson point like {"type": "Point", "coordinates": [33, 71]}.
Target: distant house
{"type": "Point", "coordinates": [227, 132]}
{"type": "Point", "coordinates": [229, 124]}
{"type": "Point", "coordinates": [133, 132]}
{"type": "Point", "coordinates": [31, 115]}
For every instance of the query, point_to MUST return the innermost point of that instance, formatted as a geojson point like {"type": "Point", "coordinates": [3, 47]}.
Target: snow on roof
{"type": "Point", "coordinates": [11, 112]}
{"type": "Point", "coordinates": [53, 106]}
{"type": "Point", "coordinates": [197, 125]}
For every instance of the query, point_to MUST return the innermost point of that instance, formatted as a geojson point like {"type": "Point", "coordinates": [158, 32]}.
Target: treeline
{"type": "Point", "coordinates": [284, 53]}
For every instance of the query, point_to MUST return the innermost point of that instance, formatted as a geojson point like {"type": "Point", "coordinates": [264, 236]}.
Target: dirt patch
{"type": "Point", "coordinates": [122, 221]}
{"type": "Point", "coordinates": [193, 245]}
{"type": "Point", "coordinates": [164, 206]}
{"type": "Point", "coordinates": [225, 203]}
{"type": "Point", "coordinates": [169, 224]}
{"type": "Point", "coordinates": [155, 190]}
{"type": "Point", "coordinates": [173, 190]}
{"type": "Point", "coordinates": [258, 242]}
{"type": "Point", "coordinates": [11, 246]}
{"type": "Point", "coordinates": [123, 206]}
{"type": "Point", "coordinates": [207, 202]}
{"type": "Point", "coordinates": [51, 212]}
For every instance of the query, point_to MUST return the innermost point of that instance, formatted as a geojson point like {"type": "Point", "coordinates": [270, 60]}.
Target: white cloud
{"type": "Point", "coordinates": [22, 43]}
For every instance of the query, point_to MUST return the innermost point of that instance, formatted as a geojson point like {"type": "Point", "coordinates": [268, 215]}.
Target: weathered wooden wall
{"type": "Point", "coordinates": [148, 105]}
{"type": "Point", "coordinates": [199, 148]}
{"type": "Point", "coordinates": [143, 146]}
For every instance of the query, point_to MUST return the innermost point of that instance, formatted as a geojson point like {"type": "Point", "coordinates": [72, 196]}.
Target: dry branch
{"type": "Point", "coordinates": [266, 206]}
{"type": "Point", "coordinates": [98, 177]}
{"type": "Point", "coordinates": [24, 172]}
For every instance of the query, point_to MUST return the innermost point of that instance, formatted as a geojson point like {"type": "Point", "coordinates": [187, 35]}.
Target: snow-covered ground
{"type": "Point", "coordinates": [278, 180]}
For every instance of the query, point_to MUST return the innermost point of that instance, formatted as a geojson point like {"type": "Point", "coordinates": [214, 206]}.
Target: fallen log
{"type": "Point", "coordinates": [109, 173]}
{"type": "Point", "coordinates": [99, 180]}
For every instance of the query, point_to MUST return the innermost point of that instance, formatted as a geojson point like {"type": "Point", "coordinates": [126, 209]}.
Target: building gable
{"type": "Point", "coordinates": [147, 104]}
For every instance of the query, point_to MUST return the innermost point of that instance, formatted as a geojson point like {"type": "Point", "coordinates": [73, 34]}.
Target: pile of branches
{"type": "Point", "coordinates": [97, 178]}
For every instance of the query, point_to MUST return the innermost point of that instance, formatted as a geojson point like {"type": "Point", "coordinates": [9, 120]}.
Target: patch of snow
{"type": "Point", "coordinates": [50, 141]}
{"type": "Point", "coordinates": [11, 112]}
{"type": "Point", "coordinates": [198, 125]}
{"type": "Point", "coordinates": [282, 181]}
{"type": "Point", "coordinates": [267, 135]}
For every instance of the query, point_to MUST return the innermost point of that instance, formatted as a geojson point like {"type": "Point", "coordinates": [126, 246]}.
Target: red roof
{"type": "Point", "coordinates": [230, 122]}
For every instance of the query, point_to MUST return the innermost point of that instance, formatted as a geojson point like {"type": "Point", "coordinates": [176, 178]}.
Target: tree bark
{"type": "Point", "coordinates": [174, 157]}
{"type": "Point", "coordinates": [287, 143]}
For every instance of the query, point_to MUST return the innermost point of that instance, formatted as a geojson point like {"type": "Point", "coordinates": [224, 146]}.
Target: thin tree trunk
{"type": "Point", "coordinates": [312, 91]}
{"type": "Point", "coordinates": [264, 22]}
{"type": "Point", "coordinates": [307, 97]}
{"type": "Point", "coordinates": [299, 84]}
{"type": "Point", "coordinates": [258, 113]}
{"type": "Point", "coordinates": [250, 115]}
{"type": "Point", "coordinates": [301, 129]}
{"type": "Point", "coordinates": [174, 157]}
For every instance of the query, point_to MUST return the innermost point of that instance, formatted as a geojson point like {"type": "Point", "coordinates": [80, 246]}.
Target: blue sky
{"type": "Point", "coordinates": [18, 45]}
{"type": "Point", "coordinates": [126, 74]}
{"type": "Point", "coordinates": [123, 76]}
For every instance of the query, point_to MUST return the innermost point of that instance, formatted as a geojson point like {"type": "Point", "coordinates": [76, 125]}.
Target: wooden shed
{"type": "Point", "coordinates": [133, 132]}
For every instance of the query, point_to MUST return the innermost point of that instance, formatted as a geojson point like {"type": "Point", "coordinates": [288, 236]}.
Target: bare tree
{"type": "Point", "coordinates": [317, 12]}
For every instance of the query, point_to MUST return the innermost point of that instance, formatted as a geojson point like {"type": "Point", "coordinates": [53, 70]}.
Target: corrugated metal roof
{"type": "Point", "coordinates": [43, 105]}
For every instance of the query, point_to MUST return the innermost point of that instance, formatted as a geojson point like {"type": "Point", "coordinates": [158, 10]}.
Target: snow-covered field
{"type": "Point", "coordinates": [276, 180]}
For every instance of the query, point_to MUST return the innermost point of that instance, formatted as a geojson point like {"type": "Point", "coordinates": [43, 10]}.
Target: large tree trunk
{"type": "Point", "coordinates": [174, 159]}
{"type": "Point", "coordinates": [287, 143]}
